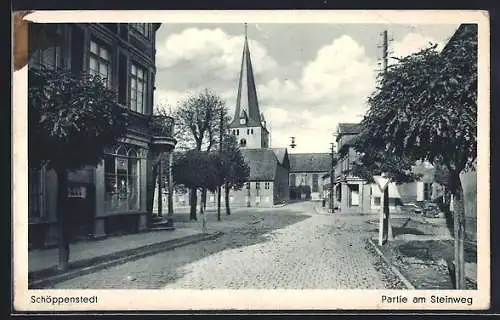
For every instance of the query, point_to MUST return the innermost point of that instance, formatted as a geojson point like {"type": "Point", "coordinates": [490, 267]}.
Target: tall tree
{"type": "Point", "coordinates": [426, 108]}
{"type": "Point", "coordinates": [72, 119]}
{"type": "Point", "coordinates": [236, 171]}
{"type": "Point", "coordinates": [197, 128]}
{"type": "Point", "coordinates": [373, 162]}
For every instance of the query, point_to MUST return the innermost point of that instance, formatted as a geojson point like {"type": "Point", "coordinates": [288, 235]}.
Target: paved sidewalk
{"type": "Point", "coordinates": [42, 259]}
{"type": "Point", "coordinates": [47, 258]}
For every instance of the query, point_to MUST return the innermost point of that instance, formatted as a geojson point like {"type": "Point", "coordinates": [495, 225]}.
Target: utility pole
{"type": "Point", "coordinates": [332, 178]}
{"type": "Point", "coordinates": [385, 46]}
{"type": "Point", "coordinates": [219, 189]}
{"type": "Point", "coordinates": [385, 229]}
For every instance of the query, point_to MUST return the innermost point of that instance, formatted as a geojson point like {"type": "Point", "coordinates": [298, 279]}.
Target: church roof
{"type": "Point", "coordinates": [262, 163]}
{"type": "Point", "coordinates": [310, 162]}
{"type": "Point", "coordinates": [246, 99]}
{"type": "Point", "coordinates": [281, 155]}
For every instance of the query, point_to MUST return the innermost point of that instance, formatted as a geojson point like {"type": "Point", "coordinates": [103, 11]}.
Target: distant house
{"type": "Point", "coordinates": [351, 194]}
{"type": "Point", "coordinates": [355, 195]}
{"type": "Point", "coordinates": [306, 175]}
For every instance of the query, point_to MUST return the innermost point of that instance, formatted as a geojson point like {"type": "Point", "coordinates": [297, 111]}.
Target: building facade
{"type": "Point", "coordinates": [306, 175]}
{"type": "Point", "coordinates": [356, 195]}
{"type": "Point", "coordinates": [112, 197]}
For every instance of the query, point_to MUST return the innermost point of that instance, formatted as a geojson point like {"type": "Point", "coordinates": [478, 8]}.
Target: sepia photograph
{"type": "Point", "coordinates": [259, 161]}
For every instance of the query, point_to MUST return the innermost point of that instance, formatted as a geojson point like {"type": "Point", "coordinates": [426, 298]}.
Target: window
{"type": "Point", "coordinates": [243, 142]}
{"type": "Point", "coordinates": [315, 186]}
{"type": "Point", "coordinates": [248, 131]}
{"type": "Point", "coordinates": [353, 195]}
{"type": "Point", "coordinates": [143, 28]}
{"type": "Point", "coordinates": [100, 62]}
{"type": "Point", "coordinates": [292, 180]}
{"type": "Point", "coordinates": [50, 58]}
{"type": "Point", "coordinates": [247, 185]}
{"type": "Point", "coordinates": [137, 89]}
{"type": "Point", "coordinates": [36, 193]}
{"type": "Point", "coordinates": [266, 185]}
{"type": "Point", "coordinates": [237, 132]}
{"type": "Point", "coordinates": [376, 201]}
{"type": "Point", "coordinates": [427, 191]}
{"type": "Point", "coordinates": [251, 131]}
{"type": "Point", "coordinates": [122, 179]}
{"type": "Point", "coordinates": [257, 185]}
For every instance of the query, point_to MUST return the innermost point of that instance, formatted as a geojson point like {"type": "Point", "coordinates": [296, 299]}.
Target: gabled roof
{"type": "Point", "coordinates": [262, 163]}
{"type": "Point", "coordinates": [282, 156]}
{"type": "Point", "coordinates": [349, 128]}
{"type": "Point", "coordinates": [310, 162]}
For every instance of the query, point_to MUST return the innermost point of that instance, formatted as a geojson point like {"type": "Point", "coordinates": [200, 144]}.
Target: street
{"type": "Point", "coordinates": [293, 247]}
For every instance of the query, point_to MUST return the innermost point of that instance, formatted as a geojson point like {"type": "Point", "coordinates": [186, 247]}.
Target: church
{"type": "Point", "coordinates": [269, 167]}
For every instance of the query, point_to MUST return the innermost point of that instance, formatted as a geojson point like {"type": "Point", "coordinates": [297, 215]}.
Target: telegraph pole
{"type": "Point", "coordinates": [385, 46]}
{"type": "Point", "coordinates": [219, 189]}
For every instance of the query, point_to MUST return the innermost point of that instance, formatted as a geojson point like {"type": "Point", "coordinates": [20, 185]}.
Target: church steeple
{"type": "Point", "coordinates": [246, 100]}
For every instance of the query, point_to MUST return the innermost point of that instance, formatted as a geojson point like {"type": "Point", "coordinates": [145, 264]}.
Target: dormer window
{"type": "Point", "coordinates": [243, 121]}
{"type": "Point", "coordinates": [143, 28]}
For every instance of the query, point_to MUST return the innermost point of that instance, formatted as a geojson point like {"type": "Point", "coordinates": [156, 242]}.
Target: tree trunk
{"type": "Point", "coordinates": [219, 191]}
{"type": "Point", "coordinates": [160, 194]}
{"type": "Point", "coordinates": [62, 219]}
{"type": "Point", "coordinates": [459, 229]}
{"type": "Point", "coordinates": [227, 189]}
{"type": "Point", "coordinates": [202, 200]}
{"type": "Point", "coordinates": [192, 204]}
{"type": "Point", "coordinates": [170, 184]}
{"type": "Point", "coordinates": [387, 217]}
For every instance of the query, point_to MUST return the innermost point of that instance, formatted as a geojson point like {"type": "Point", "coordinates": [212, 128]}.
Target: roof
{"type": "Point", "coordinates": [349, 128]}
{"type": "Point", "coordinates": [262, 163]}
{"type": "Point", "coordinates": [247, 99]}
{"type": "Point", "coordinates": [310, 162]}
{"type": "Point", "coordinates": [281, 155]}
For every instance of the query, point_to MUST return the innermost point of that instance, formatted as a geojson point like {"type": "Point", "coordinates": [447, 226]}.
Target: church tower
{"type": "Point", "coordinates": [248, 124]}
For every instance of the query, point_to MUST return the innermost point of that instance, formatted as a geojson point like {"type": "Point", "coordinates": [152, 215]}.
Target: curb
{"type": "Point", "coordinates": [51, 276]}
{"type": "Point", "coordinates": [393, 268]}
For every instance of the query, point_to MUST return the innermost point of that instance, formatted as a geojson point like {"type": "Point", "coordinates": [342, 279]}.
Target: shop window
{"type": "Point", "coordinates": [122, 179]}
{"type": "Point", "coordinates": [377, 201]}
{"type": "Point", "coordinates": [292, 180]}
{"type": "Point", "coordinates": [36, 193]}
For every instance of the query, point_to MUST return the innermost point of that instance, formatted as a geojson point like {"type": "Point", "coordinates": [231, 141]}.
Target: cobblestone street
{"type": "Point", "coordinates": [284, 248]}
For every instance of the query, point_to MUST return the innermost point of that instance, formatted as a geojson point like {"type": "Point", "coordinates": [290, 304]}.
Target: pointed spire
{"type": "Point", "coordinates": [247, 93]}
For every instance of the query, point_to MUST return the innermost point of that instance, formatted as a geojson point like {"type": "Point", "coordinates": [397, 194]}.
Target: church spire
{"type": "Point", "coordinates": [246, 100]}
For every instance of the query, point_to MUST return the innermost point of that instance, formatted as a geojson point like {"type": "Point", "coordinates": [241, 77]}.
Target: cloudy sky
{"type": "Point", "coordinates": [309, 77]}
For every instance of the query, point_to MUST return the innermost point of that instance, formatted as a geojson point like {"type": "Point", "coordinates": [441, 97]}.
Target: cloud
{"type": "Point", "coordinates": [305, 99]}
{"type": "Point", "coordinates": [207, 55]}
{"type": "Point", "coordinates": [413, 42]}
